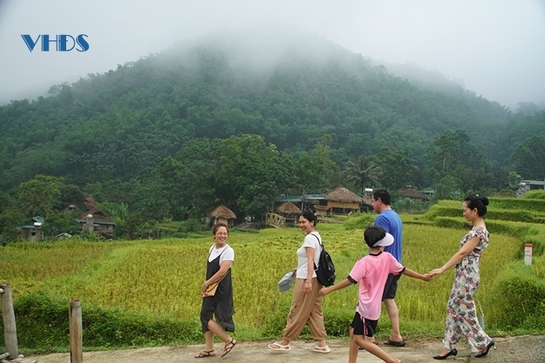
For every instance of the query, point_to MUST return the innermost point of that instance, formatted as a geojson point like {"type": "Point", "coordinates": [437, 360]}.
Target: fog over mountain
{"type": "Point", "coordinates": [490, 47]}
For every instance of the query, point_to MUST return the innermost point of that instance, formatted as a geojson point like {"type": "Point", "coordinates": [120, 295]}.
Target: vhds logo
{"type": "Point", "coordinates": [63, 42]}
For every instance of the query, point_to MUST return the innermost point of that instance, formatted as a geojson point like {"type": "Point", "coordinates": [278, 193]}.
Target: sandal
{"type": "Point", "coordinates": [324, 349]}
{"type": "Point", "coordinates": [393, 343]}
{"type": "Point", "coordinates": [228, 347]}
{"type": "Point", "coordinates": [278, 346]}
{"type": "Point", "coordinates": [206, 354]}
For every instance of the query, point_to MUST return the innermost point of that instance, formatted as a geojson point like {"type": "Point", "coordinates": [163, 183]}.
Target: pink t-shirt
{"type": "Point", "coordinates": [371, 273]}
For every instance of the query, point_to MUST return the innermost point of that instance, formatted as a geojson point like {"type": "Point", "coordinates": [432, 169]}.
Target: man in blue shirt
{"type": "Point", "coordinates": [389, 220]}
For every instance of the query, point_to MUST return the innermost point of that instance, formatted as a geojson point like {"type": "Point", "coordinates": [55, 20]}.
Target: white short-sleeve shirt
{"type": "Point", "coordinates": [227, 253]}
{"type": "Point", "coordinates": [302, 259]}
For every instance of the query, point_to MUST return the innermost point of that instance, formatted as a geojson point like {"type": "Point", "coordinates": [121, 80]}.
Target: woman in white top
{"type": "Point", "coordinates": [306, 306]}
{"type": "Point", "coordinates": [220, 305]}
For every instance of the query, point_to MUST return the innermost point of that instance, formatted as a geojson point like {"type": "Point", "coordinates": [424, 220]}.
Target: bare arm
{"type": "Point", "coordinates": [408, 272]}
{"type": "Point", "coordinates": [224, 268]}
{"type": "Point", "coordinates": [458, 256]}
{"type": "Point", "coordinates": [310, 269]}
{"type": "Point", "coordinates": [340, 285]}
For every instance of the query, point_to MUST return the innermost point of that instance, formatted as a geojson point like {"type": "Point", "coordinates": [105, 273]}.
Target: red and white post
{"type": "Point", "coordinates": [528, 254]}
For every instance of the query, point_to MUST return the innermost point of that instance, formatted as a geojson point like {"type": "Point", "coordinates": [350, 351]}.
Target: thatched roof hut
{"type": "Point", "coordinates": [343, 195]}
{"type": "Point", "coordinates": [321, 210]}
{"type": "Point", "coordinates": [222, 214]}
{"type": "Point", "coordinates": [410, 192]}
{"type": "Point", "coordinates": [288, 208]}
{"type": "Point", "coordinates": [343, 201]}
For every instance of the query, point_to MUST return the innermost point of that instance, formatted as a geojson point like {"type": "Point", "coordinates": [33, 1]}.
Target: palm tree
{"type": "Point", "coordinates": [362, 172]}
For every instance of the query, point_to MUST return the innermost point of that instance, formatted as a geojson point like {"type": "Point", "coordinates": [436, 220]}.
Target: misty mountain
{"type": "Point", "coordinates": [121, 124]}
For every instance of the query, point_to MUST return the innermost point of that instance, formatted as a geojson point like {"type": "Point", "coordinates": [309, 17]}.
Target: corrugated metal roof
{"type": "Point", "coordinates": [300, 198]}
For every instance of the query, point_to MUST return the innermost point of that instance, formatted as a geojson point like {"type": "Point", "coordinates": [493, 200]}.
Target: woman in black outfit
{"type": "Point", "coordinates": [220, 305]}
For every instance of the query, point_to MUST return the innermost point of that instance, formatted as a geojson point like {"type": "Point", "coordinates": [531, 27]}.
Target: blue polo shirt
{"type": "Point", "coordinates": [390, 221]}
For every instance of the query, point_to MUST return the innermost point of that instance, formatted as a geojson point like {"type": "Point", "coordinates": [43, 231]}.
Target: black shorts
{"type": "Point", "coordinates": [390, 287]}
{"type": "Point", "coordinates": [363, 326]}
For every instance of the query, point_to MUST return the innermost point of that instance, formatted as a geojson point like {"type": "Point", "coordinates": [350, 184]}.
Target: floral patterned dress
{"type": "Point", "coordinates": [461, 312]}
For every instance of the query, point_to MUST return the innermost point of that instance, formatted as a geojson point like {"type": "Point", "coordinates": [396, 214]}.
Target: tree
{"type": "Point", "coordinates": [40, 195]}
{"type": "Point", "coordinates": [191, 178]}
{"type": "Point", "coordinates": [315, 171]}
{"type": "Point", "coordinates": [444, 155]}
{"type": "Point", "coordinates": [10, 218]}
{"type": "Point", "coordinates": [252, 174]}
{"type": "Point", "coordinates": [396, 168]}
{"type": "Point", "coordinates": [362, 172]}
{"type": "Point", "coordinates": [528, 108]}
{"type": "Point", "coordinates": [528, 158]}
{"type": "Point", "coordinates": [514, 180]}
{"type": "Point", "coordinates": [454, 157]}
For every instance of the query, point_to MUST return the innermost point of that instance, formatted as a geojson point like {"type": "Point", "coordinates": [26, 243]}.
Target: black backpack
{"type": "Point", "coordinates": [325, 271]}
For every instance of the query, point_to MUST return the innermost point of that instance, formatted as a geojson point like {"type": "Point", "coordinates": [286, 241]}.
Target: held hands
{"type": "Point", "coordinates": [437, 271]}
{"type": "Point", "coordinates": [427, 277]}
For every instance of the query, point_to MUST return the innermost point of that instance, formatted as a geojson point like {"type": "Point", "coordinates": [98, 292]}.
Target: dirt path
{"type": "Point", "coordinates": [522, 349]}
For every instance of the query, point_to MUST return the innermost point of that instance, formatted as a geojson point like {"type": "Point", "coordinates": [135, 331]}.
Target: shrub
{"type": "Point", "coordinates": [537, 205]}
{"type": "Point", "coordinates": [275, 321]}
{"type": "Point", "coordinates": [337, 322]}
{"type": "Point", "coordinates": [359, 221]}
{"type": "Point", "coordinates": [407, 205]}
{"type": "Point", "coordinates": [511, 215]}
{"type": "Point", "coordinates": [44, 319]}
{"type": "Point", "coordinates": [440, 210]}
{"type": "Point", "coordinates": [514, 229]}
{"type": "Point", "coordinates": [519, 297]}
{"type": "Point", "coordinates": [535, 194]}
{"type": "Point", "coordinates": [538, 245]}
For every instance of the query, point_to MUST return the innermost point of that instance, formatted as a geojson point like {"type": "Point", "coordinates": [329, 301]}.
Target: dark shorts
{"type": "Point", "coordinates": [363, 326]}
{"type": "Point", "coordinates": [390, 287]}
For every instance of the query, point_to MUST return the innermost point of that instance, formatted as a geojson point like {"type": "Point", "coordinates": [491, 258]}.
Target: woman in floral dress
{"type": "Point", "coordinates": [461, 312]}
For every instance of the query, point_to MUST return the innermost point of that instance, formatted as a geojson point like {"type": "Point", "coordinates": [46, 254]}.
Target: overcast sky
{"type": "Point", "coordinates": [495, 47]}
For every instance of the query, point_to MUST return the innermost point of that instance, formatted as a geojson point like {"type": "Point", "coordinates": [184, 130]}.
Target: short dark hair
{"type": "Point", "coordinates": [310, 216]}
{"type": "Point", "coordinates": [382, 194]}
{"type": "Point", "coordinates": [476, 201]}
{"type": "Point", "coordinates": [217, 226]}
{"type": "Point", "coordinates": [373, 234]}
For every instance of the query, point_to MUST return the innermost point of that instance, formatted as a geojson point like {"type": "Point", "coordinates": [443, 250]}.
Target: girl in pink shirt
{"type": "Point", "coordinates": [371, 272]}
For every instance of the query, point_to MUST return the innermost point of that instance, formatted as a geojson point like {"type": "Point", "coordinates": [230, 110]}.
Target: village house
{"type": "Point", "coordinates": [289, 211]}
{"type": "Point", "coordinates": [343, 201]}
{"type": "Point", "coordinates": [32, 230]}
{"type": "Point", "coordinates": [97, 222]}
{"type": "Point", "coordinates": [411, 193]}
{"type": "Point", "coordinates": [222, 214]}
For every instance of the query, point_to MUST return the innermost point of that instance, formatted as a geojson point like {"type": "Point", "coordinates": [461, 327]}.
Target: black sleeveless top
{"type": "Point", "coordinates": [221, 304]}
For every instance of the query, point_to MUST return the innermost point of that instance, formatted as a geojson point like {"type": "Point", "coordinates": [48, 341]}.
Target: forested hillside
{"type": "Point", "coordinates": [211, 123]}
